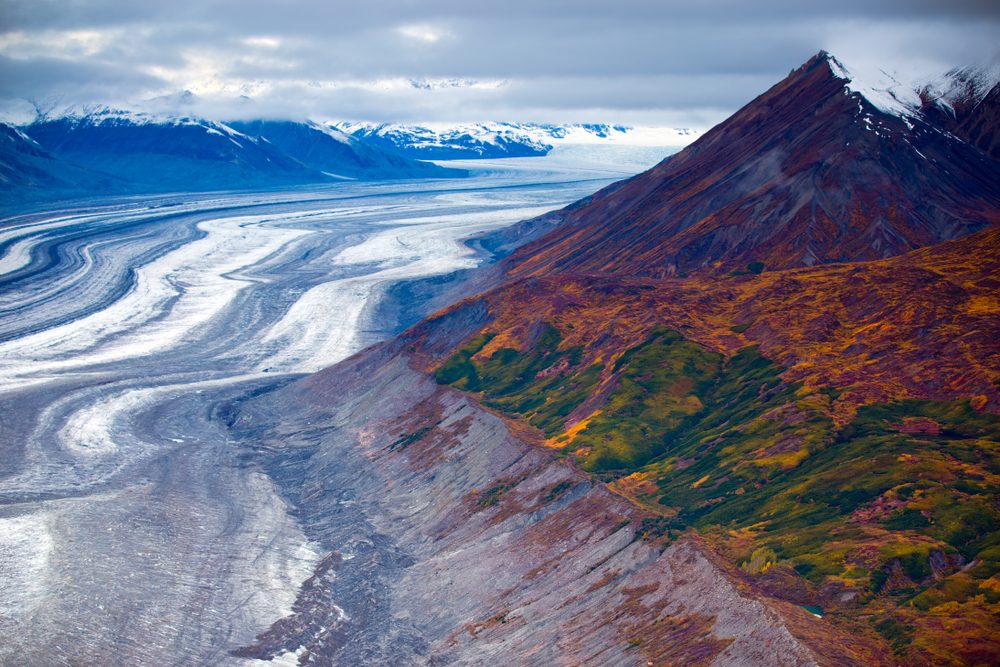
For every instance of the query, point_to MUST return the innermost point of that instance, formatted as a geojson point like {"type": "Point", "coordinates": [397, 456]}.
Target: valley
{"type": "Point", "coordinates": [737, 409]}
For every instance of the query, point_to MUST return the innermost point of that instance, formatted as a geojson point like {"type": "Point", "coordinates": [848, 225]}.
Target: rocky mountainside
{"type": "Point", "coordinates": [491, 523]}
{"type": "Point", "coordinates": [743, 408]}
{"type": "Point", "coordinates": [455, 539]}
{"type": "Point", "coordinates": [501, 140]}
{"type": "Point", "coordinates": [812, 171]}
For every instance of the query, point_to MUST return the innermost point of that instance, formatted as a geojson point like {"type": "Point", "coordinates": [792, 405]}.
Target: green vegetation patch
{"type": "Point", "coordinates": [543, 384]}
{"type": "Point", "coordinates": [660, 386]}
{"type": "Point", "coordinates": [899, 635]}
{"type": "Point", "coordinates": [753, 268]}
{"type": "Point", "coordinates": [731, 446]}
{"type": "Point", "coordinates": [677, 400]}
{"type": "Point", "coordinates": [870, 473]}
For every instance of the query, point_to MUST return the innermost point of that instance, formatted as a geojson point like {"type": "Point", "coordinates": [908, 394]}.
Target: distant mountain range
{"type": "Point", "coordinates": [102, 150]}
{"type": "Point", "coordinates": [778, 345]}
{"type": "Point", "coordinates": [105, 151]}
{"type": "Point", "coordinates": [502, 140]}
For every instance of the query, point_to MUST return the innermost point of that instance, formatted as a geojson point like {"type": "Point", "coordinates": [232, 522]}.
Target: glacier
{"type": "Point", "coordinates": [132, 530]}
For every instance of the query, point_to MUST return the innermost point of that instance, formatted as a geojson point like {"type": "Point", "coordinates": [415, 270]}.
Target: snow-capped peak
{"type": "Point", "coordinates": [882, 89]}
{"type": "Point", "coordinates": [475, 136]}
{"type": "Point", "coordinates": [173, 109]}
{"type": "Point", "coordinates": [100, 115]}
{"type": "Point", "coordinates": [96, 113]}
{"type": "Point", "coordinates": [964, 85]}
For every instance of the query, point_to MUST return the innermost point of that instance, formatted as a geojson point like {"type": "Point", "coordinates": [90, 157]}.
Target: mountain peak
{"type": "Point", "coordinates": [815, 170]}
{"type": "Point", "coordinates": [882, 89]}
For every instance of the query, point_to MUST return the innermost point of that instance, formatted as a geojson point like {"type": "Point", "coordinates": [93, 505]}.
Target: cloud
{"type": "Point", "coordinates": [262, 41]}
{"type": "Point", "coordinates": [58, 80]}
{"type": "Point", "coordinates": [422, 32]}
{"type": "Point", "coordinates": [680, 63]}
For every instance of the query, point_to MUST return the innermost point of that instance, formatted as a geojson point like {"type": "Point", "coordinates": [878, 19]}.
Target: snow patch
{"type": "Point", "coordinates": [331, 132]}
{"type": "Point", "coordinates": [883, 90]}
{"type": "Point", "coordinates": [964, 85]}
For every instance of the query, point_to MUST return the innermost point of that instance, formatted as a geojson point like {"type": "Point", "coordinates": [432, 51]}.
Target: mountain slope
{"type": "Point", "coordinates": [26, 166]}
{"type": "Point", "coordinates": [809, 172]}
{"type": "Point", "coordinates": [454, 540]}
{"type": "Point", "coordinates": [831, 431]}
{"type": "Point", "coordinates": [829, 434]}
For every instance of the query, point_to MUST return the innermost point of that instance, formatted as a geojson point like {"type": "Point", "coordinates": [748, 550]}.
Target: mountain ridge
{"type": "Point", "coordinates": [767, 185]}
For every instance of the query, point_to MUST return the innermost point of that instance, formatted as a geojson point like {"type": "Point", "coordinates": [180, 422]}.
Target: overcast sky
{"type": "Point", "coordinates": [652, 62]}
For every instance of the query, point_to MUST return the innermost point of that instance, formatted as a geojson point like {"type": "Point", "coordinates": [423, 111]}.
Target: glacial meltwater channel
{"type": "Point", "coordinates": [131, 530]}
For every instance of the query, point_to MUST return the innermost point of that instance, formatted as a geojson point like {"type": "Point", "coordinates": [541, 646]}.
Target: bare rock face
{"type": "Point", "coordinates": [453, 540]}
